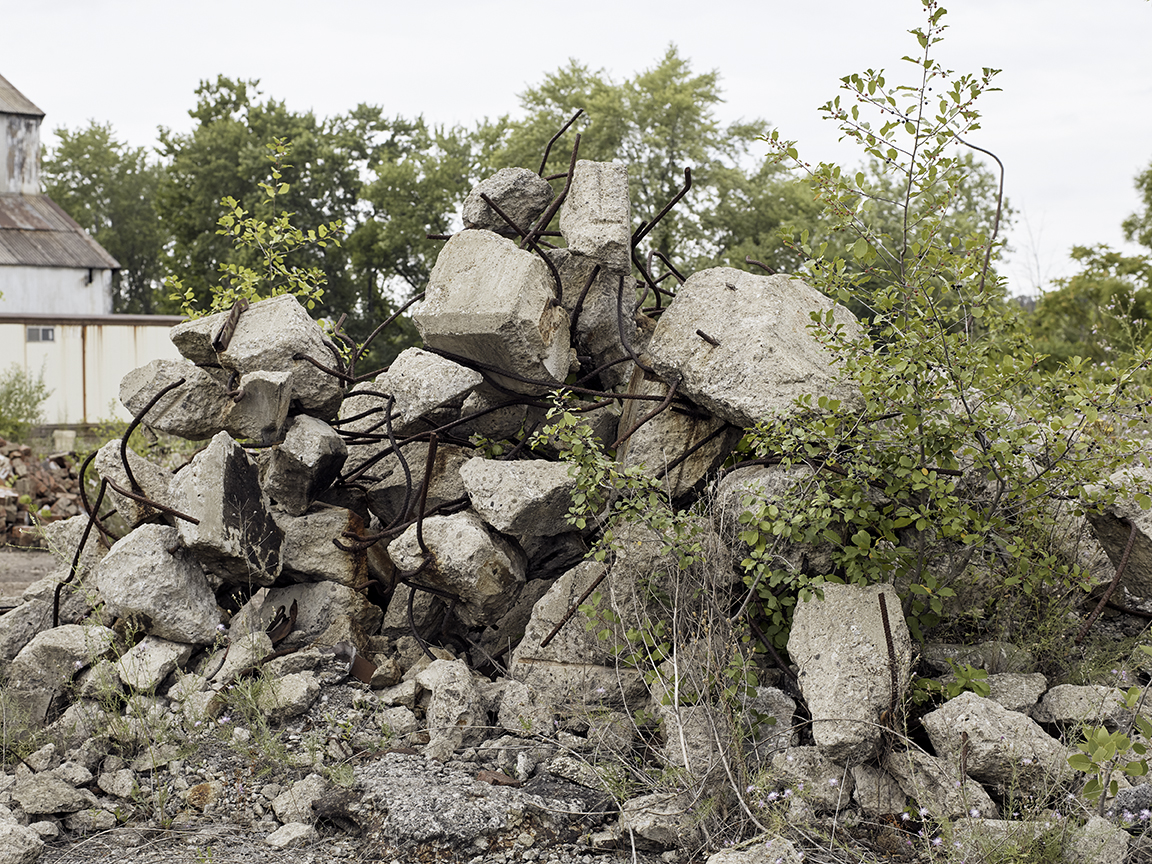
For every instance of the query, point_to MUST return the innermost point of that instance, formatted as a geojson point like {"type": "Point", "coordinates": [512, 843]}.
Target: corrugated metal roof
{"type": "Point", "coordinates": [36, 232]}
{"type": "Point", "coordinates": [12, 101]}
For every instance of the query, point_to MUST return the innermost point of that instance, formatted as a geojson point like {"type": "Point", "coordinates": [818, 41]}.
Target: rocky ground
{"type": "Point", "coordinates": [19, 568]}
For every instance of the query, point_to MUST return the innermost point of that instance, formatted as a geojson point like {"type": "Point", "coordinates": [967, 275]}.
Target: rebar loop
{"type": "Point", "coordinates": [1111, 585]}
{"type": "Point", "coordinates": [136, 422]}
{"type": "Point", "coordinates": [356, 357]}
{"type": "Point", "coordinates": [624, 339]}
{"type": "Point", "coordinates": [556, 138]}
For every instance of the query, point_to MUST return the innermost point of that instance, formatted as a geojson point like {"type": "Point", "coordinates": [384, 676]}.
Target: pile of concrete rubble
{"type": "Point", "coordinates": [34, 490]}
{"type": "Point", "coordinates": [374, 558]}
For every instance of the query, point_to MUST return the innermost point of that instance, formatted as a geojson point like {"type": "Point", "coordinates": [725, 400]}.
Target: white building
{"type": "Point", "coordinates": [56, 287]}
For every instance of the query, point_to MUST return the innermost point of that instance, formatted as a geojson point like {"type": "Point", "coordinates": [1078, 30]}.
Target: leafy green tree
{"type": "Point", "coordinates": [659, 122]}
{"type": "Point", "coordinates": [1138, 226]}
{"type": "Point", "coordinates": [110, 189]}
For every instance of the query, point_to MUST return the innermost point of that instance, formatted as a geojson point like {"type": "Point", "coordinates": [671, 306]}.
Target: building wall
{"type": "Point", "coordinates": [20, 154]}
{"type": "Point", "coordinates": [85, 360]}
{"type": "Point", "coordinates": [55, 291]}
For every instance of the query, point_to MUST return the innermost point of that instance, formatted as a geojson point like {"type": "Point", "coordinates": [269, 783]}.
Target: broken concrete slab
{"type": "Point", "coordinates": [152, 478]}
{"type": "Point", "coordinates": [520, 497]}
{"type": "Point", "coordinates": [236, 538]}
{"type": "Point", "coordinates": [1115, 522]}
{"type": "Point", "coordinates": [259, 410]}
{"type": "Point", "coordinates": [304, 465]}
{"type": "Point", "coordinates": [489, 301]}
{"type": "Point", "coordinates": [846, 673]}
{"type": "Point", "coordinates": [521, 194]}
{"type": "Point", "coordinates": [482, 568]}
{"type": "Point", "coordinates": [194, 410]}
{"type": "Point", "coordinates": [767, 356]}
{"type": "Point", "coordinates": [327, 613]}
{"type": "Point", "coordinates": [267, 338]}
{"type": "Point", "coordinates": [148, 574]}
{"type": "Point", "coordinates": [455, 713]}
{"type": "Point", "coordinates": [596, 217]}
{"type": "Point", "coordinates": [45, 667]}
{"type": "Point", "coordinates": [308, 551]}
{"type": "Point", "coordinates": [395, 489]}
{"type": "Point", "coordinates": [144, 666]}
{"type": "Point", "coordinates": [421, 382]}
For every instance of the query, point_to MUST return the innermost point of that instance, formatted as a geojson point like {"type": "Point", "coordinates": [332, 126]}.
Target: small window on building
{"type": "Point", "coordinates": [41, 334]}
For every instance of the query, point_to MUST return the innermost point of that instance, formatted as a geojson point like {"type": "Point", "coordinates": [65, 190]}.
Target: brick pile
{"type": "Point", "coordinates": [34, 489]}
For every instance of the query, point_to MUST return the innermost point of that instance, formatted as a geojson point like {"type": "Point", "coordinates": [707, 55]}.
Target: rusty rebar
{"type": "Point", "coordinates": [624, 339]}
{"type": "Point", "coordinates": [556, 138]}
{"type": "Point", "coordinates": [1111, 585]}
{"type": "Point", "coordinates": [335, 373]}
{"type": "Point", "coordinates": [75, 567]}
{"type": "Point", "coordinates": [429, 464]}
{"type": "Point", "coordinates": [771, 649]}
{"type": "Point", "coordinates": [579, 307]}
{"type": "Point", "coordinates": [143, 499]}
{"type": "Point", "coordinates": [574, 608]}
{"type": "Point", "coordinates": [711, 436]}
{"type": "Point", "coordinates": [542, 222]}
{"type": "Point", "coordinates": [649, 282]}
{"type": "Point", "coordinates": [759, 264]}
{"type": "Point", "coordinates": [527, 238]}
{"type": "Point", "coordinates": [892, 700]}
{"type": "Point", "coordinates": [671, 269]}
{"type": "Point", "coordinates": [618, 443]}
{"type": "Point", "coordinates": [709, 339]}
{"type": "Point", "coordinates": [87, 505]}
{"type": "Point", "coordinates": [136, 422]}
{"type": "Point", "coordinates": [643, 232]}
{"type": "Point", "coordinates": [364, 347]}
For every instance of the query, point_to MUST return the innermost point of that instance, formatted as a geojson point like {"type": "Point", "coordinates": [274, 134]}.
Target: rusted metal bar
{"type": "Point", "coordinates": [75, 566]}
{"type": "Point", "coordinates": [499, 211]}
{"type": "Point", "coordinates": [771, 649]}
{"type": "Point", "coordinates": [527, 238]}
{"type": "Point", "coordinates": [895, 682]}
{"type": "Point", "coordinates": [429, 464]}
{"type": "Point", "coordinates": [709, 339]}
{"type": "Point", "coordinates": [224, 336]}
{"type": "Point", "coordinates": [142, 499]}
{"type": "Point", "coordinates": [556, 138]}
{"type": "Point", "coordinates": [624, 339]}
{"type": "Point", "coordinates": [600, 369]}
{"type": "Point", "coordinates": [400, 458]}
{"type": "Point", "coordinates": [364, 347]}
{"type": "Point", "coordinates": [649, 282]}
{"type": "Point", "coordinates": [661, 407]}
{"type": "Point", "coordinates": [1086, 626]}
{"type": "Point", "coordinates": [136, 422]}
{"type": "Point", "coordinates": [579, 307]}
{"type": "Point", "coordinates": [515, 451]}
{"type": "Point", "coordinates": [575, 607]}
{"type": "Point", "coordinates": [87, 506]}
{"type": "Point", "coordinates": [759, 264]}
{"type": "Point", "coordinates": [437, 236]}
{"type": "Point", "coordinates": [668, 264]}
{"type": "Point", "coordinates": [335, 373]}
{"type": "Point", "coordinates": [543, 221]}
{"type": "Point", "coordinates": [675, 463]}
{"type": "Point", "coordinates": [643, 232]}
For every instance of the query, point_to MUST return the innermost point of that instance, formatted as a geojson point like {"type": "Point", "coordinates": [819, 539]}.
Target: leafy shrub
{"type": "Point", "coordinates": [21, 402]}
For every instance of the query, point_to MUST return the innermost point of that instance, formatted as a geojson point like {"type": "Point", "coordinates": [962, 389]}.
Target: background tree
{"type": "Point", "coordinates": [110, 190]}
{"type": "Point", "coordinates": [658, 123]}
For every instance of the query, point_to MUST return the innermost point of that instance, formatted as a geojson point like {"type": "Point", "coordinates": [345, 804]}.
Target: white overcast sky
{"type": "Point", "coordinates": [1073, 124]}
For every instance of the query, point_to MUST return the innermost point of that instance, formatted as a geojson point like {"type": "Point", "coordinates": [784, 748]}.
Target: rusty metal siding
{"type": "Point", "coordinates": [12, 101]}
{"type": "Point", "coordinates": [36, 232]}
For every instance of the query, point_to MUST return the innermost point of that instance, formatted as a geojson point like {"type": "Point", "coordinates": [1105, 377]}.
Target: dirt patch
{"type": "Point", "coordinates": [19, 568]}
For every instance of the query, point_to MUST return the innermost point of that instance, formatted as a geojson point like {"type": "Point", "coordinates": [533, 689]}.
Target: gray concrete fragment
{"type": "Point", "coordinates": [1017, 691]}
{"type": "Point", "coordinates": [193, 410]}
{"type": "Point", "coordinates": [168, 589]}
{"type": "Point", "coordinates": [827, 785]}
{"type": "Point", "coordinates": [775, 850]}
{"type": "Point", "coordinates": [45, 794]}
{"type": "Point", "coordinates": [45, 667]}
{"type": "Point", "coordinates": [1116, 521]}
{"type": "Point", "coordinates": [267, 337]}
{"type": "Point", "coordinates": [498, 421]}
{"type": "Point", "coordinates": [295, 804]}
{"type": "Point", "coordinates": [489, 301]}
{"type": "Point", "coordinates": [420, 382]}
{"type": "Point", "coordinates": [1003, 747]}
{"type": "Point", "coordinates": [455, 713]}
{"type": "Point", "coordinates": [524, 713]}
{"type": "Point", "coordinates": [304, 465]}
{"type": "Point", "coordinates": [483, 569]}
{"type": "Point", "coordinates": [768, 715]}
{"type": "Point", "coordinates": [876, 791]}
{"type": "Point", "coordinates": [259, 410]}
{"type": "Point", "coordinates": [596, 217]}
{"type": "Point", "coordinates": [152, 478]}
{"type": "Point", "coordinates": [288, 696]}
{"type": "Point", "coordinates": [308, 551]}
{"type": "Point", "coordinates": [937, 784]}
{"type": "Point", "coordinates": [236, 538]}
{"type": "Point", "coordinates": [291, 835]}
{"type": "Point", "coordinates": [668, 436]}
{"type": "Point", "coordinates": [389, 494]}
{"type": "Point", "coordinates": [327, 613]}
{"type": "Point", "coordinates": [521, 194]}
{"type": "Point", "coordinates": [19, 844]}
{"type": "Point", "coordinates": [521, 497]}
{"type": "Point", "coordinates": [665, 820]}
{"type": "Point", "coordinates": [767, 356]}
{"type": "Point", "coordinates": [840, 646]}
{"type": "Point", "coordinates": [1077, 704]}
{"type": "Point", "coordinates": [144, 666]}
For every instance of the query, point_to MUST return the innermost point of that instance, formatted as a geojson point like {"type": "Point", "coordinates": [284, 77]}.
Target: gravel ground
{"type": "Point", "coordinates": [19, 568]}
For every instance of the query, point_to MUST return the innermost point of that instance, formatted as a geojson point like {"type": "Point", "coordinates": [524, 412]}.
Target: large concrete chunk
{"type": "Point", "coordinates": [236, 537]}
{"type": "Point", "coordinates": [195, 409]}
{"type": "Point", "coordinates": [387, 496]}
{"type": "Point", "coordinates": [1000, 746]}
{"type": "Point", "coordinates": [492, 302]}
{"type": "Point", "coordinates": [260, 408]}
{"type": "Point", "coordinates": [145, 666]}
{"type": "Point", "coordinates": [305, 464]}
{"type": "Point", "coordinates": [845, 673]}
{"type": "Point", "coordinates": [520, 498]}
{"type": "Point", "coordinates": [45, 667]}
{"type": "Point", "coordinates": [420, 382]}
{"type": "Point", "coordinates": [521, 194]}
{"type": "Point", "coordinates": [937, 784]}
{"type": "Point", "coordinates": [456, 712]}
{"type": "Point", "coordinates": [596, 217]}
{"type": "Point", "coordinates": [153, 482]}
{"type": "Point", "coordinates": [483, 569]}
{"type": "Point", "coordinates": [267, 338]}
{"type": "Point", "coordinates": [309, 554]}
{"type": "Point", "coordinates": [767, 356]}
{"type": "Point", "coordinates": [326, 613]}
{"type": "Point", "coordinates": [1114, 525]}
{"type": "Point", "coordinates": [148, 574]}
